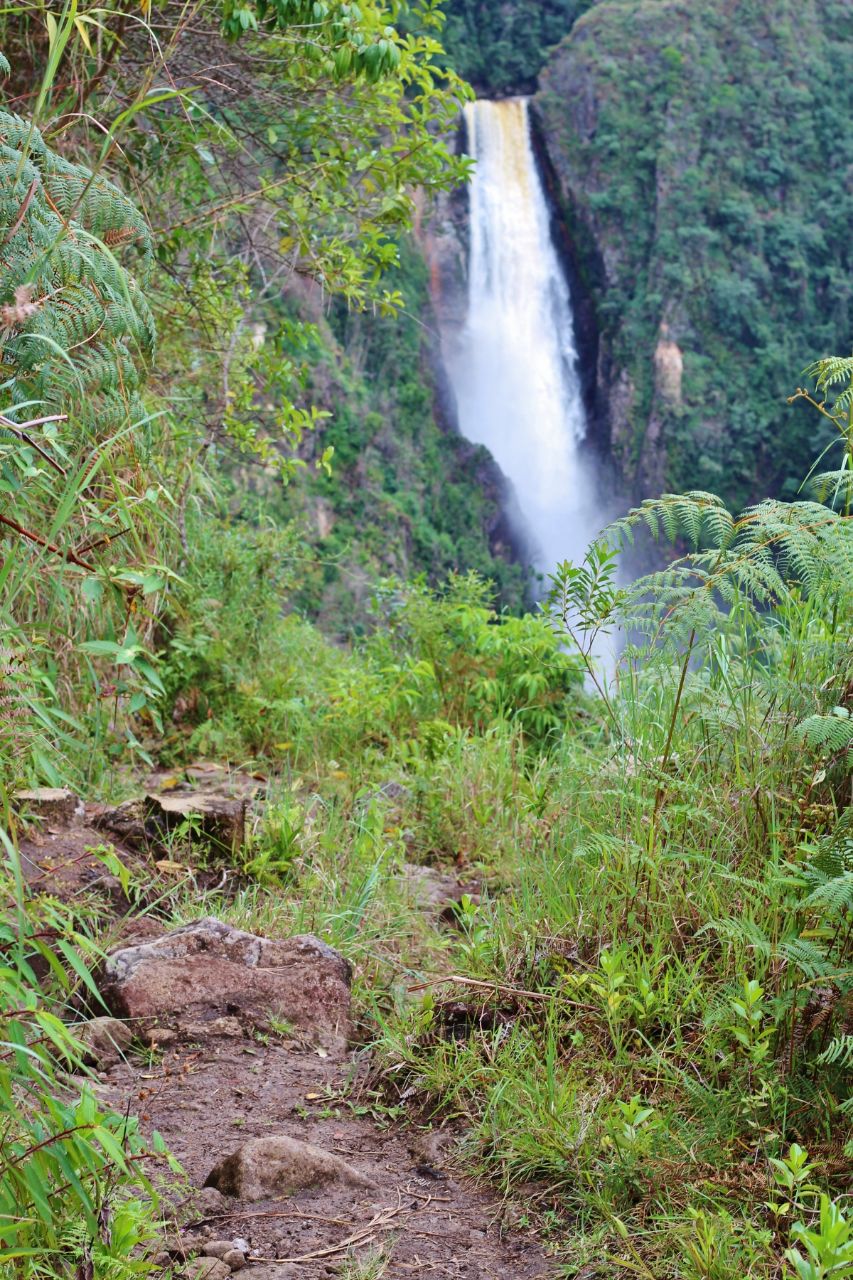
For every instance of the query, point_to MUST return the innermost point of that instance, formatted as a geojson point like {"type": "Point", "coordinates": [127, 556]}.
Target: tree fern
{"type": "Point", "coordinates": [77, 331]}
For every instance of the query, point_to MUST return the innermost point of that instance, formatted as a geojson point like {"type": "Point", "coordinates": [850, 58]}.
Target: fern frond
{"type": "Point", "coordinates": [833, 896]}
{"type": "Point", "coordinates": [839, 1052]}
{"type": "Point", "coordinates": [831, 370]}
{"type": "Point", "coordinates": [77, 331]}
{"type": "Point", "coordinates": [826, 733]}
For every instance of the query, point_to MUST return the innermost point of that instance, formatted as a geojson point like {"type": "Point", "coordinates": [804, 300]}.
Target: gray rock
{"type": "Point", "coordinates": [278, 1165]}
{"type": "Point", "coordinates": [207, 1269]}
{"type": "Point", "coordinates": [208, 970]}
{"type": "Point", "coordinates": [217, 1248]}
{"type": "Point", "coordinates": [204, 1201]}
{"type": "Point", "coordinates": [106, 1039]}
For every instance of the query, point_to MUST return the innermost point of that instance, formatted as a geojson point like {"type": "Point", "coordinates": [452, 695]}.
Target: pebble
{"type": "Point", "coordinates": [234, 1259]}
{"type": "Point", "coordinates": [160, 1037]}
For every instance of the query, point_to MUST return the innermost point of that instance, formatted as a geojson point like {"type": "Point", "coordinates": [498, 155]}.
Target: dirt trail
{"type": "Point", "coordinates": [207, 1099]}
{"type": "Point", "coordinates": [208, 1093]}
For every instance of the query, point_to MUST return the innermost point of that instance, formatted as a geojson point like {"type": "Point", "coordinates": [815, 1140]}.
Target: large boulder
{"type": "Point", "coordinates": [208, 970]}
{"type": "Point", "coordinates": [278, 1166]}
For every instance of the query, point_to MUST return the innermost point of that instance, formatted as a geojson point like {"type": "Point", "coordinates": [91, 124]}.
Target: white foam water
{"type": "Point", "coordinates": [514, 367]}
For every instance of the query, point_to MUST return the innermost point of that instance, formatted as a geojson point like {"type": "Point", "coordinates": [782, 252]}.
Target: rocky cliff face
{"type": "Point", "coordinates": [702, 163]}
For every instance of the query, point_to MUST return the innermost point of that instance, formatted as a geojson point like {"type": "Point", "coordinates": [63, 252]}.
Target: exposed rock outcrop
{"type": "Point", "coordinates": [206, 971]}
{"type": "Point", "coordinates": [669, 368]}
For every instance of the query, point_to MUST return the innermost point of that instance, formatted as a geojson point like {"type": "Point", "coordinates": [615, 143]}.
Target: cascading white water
{"type": "Point", "coordinates": [514, 370]}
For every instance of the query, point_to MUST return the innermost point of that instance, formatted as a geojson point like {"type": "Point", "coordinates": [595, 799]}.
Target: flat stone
{"type": "Point", "coordinates": [50, 804]}
{"type": "Point", "coordinates": [279, 1165]}
{"type": "Point", "coordinates": [217, 819]}
{"type": "Point", "coordinates": [217, 1248]}
{"type": "Point", "coordinates": [208, 970]}
{"type": "Point", "coordinates": [207, 1269]}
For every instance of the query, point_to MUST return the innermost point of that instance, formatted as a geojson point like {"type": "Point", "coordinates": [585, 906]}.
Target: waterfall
{"type": "Point", "coordinates": [514, 367]}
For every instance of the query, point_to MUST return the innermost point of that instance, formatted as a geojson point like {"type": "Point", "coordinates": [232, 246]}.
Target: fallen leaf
{"type": "Point", "coordinates": [173, 868]}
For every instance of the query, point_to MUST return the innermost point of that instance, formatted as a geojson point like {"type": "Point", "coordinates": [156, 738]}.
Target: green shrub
{"type": "Point", "coordinates": [73, 1179]}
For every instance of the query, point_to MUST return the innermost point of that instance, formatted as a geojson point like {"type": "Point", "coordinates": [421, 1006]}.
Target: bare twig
{"type": "Point", "coordinates": [22, 435]}
{"type": "Point", "coordinates": [49, 546]}
{"type": "Point", "coordinates": [22, 213]}
{"type": "Point", "coordinates": [364, 1235]}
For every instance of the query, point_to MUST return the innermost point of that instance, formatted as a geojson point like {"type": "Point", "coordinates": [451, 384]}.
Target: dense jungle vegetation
{"type": "Point", "coordinates": [642, 1025]}
{"type": "Point", "coordinates": [501, 48]}
{"type": "Point", "coordinates": [703, 159]}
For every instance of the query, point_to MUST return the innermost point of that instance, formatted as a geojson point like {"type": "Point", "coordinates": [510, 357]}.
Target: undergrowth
{"type": "Point", "coordinates": [639, 1011]}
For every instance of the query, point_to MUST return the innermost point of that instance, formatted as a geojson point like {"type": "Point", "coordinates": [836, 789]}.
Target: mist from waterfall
{"type": "Point", "coordinates": [514, 367]}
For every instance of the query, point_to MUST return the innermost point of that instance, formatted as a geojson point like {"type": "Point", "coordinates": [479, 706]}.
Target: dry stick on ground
{"type": "Point", "coordinates": [500, 989]}
{"type": "Point", "coordinates": [364, 1235]}
{"type": "Point", "coordinates": [316, 1217]}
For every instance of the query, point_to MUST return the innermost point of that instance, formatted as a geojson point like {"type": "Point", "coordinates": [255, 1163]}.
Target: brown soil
{"type": "Point", "coordinates": [207, 1098]}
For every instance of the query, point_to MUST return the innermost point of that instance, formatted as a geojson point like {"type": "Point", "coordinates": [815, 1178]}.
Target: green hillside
{"type": "Point", "coordinates": [703, 157]}
{"type": "Point", "coordinates": [501, 48]}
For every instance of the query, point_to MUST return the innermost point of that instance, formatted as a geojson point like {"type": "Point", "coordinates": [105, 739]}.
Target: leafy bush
{"type": "Point", "coordinates": [481, 666]}
{"type": "Point", "coordinates": [659, 1021]}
